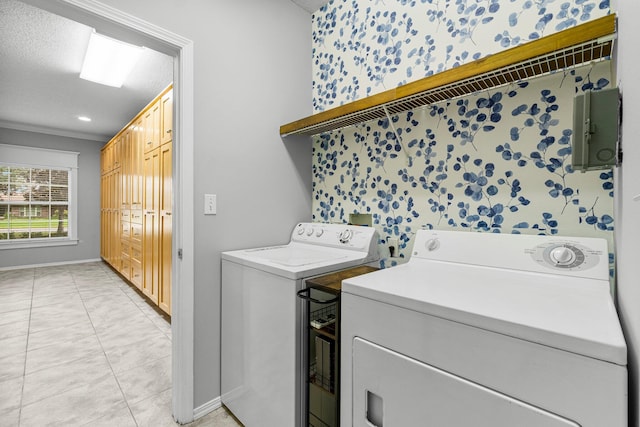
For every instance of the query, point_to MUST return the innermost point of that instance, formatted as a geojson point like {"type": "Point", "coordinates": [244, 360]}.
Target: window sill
{"type": "Point", "coordinates": [37, 243]}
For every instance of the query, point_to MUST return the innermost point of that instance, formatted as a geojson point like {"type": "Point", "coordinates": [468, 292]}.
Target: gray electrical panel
{"type": "Point", "coordinates": [596, 125]}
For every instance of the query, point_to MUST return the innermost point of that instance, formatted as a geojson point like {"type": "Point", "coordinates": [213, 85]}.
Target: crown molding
{"type": "Point", "coordinates": [53, 131]}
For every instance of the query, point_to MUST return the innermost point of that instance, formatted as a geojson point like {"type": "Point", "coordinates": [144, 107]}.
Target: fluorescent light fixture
{"type": "Point", "coordinates": [84, 118]}
{"type": "Point", "coordinates": [108, 61]}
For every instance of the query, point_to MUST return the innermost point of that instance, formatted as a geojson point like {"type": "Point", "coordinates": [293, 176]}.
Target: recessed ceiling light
{"type": "Point", "coordinates": [108, 61]}
{"type": "Point", "coordinates": [84, 118]}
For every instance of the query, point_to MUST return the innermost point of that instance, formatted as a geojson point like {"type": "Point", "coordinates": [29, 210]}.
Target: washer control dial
{"type": "Point", "coordinates": [345, 235]}
{"type": "Point", "coordinates": [300, 231]}
{"type": "Point", "coordinates": [432, 244]}
{"type": "Point", "coordinates": [319, 232]}
{"type": "Point", "coordinates": [310, 231]}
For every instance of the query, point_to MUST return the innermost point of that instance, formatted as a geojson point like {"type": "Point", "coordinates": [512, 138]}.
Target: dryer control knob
{"type": "Point", "coordinates": [562, 255]}
{"type": "Point", "coordinates": [310, 231]}
{"type": "Point", "coordinates": [300, 231]}
{"type": "Point", "coordinates": [345, 235]}
{"type": "Point", "coordinates": [319, 232]}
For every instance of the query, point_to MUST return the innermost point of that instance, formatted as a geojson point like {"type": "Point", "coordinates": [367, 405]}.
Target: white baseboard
{"type": "Point", "coordinates": [207, 407]}
{"type": "Point", "coordinates": [50, 264]}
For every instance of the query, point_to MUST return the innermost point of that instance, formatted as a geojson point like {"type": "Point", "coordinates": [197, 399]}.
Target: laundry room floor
{"type": "Point", "coordinates": [79, 346]}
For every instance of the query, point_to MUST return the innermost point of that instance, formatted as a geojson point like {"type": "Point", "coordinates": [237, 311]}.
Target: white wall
{"type": "Point", "coordinates": [252, 73]}
{"type": "Point", "coordinates": [88, 200]}
{"type": "Point", "coordinates": [627, 187]}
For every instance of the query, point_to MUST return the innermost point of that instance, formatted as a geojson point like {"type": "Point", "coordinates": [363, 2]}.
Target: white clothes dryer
{"type": "Point", "coordinates": [485, 330]}
{"type": "Point", "coordinates": [262, 332]}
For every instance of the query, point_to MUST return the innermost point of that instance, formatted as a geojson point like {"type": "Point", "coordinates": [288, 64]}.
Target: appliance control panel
{"type": "Point", "coordinates": [336, 235]}
{"type": "Point", "coordinates": [572, 256]}
{"type": "Point", "coordinates": [566, 255]}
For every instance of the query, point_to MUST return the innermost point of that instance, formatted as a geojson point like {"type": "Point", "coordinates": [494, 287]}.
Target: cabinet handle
{"type": "Point", "coordinates": [169, 131]}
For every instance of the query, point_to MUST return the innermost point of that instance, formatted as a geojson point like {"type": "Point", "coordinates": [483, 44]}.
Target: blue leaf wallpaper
{"type": "Point", "coordinates": [363, 47]}
{"type": "Point", "coordinates": [494, 161]}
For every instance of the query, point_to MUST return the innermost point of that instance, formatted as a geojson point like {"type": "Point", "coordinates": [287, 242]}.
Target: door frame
{"type": "Point", "coordinates": [126, 27]}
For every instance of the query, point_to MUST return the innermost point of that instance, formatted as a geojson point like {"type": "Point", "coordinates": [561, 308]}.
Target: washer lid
{"type": "Point", "coordinates": [297, 260]}
{"type": "Point", "coordinates": [289, 256]}
{"type": "Point", "coordinates": [564, 312]}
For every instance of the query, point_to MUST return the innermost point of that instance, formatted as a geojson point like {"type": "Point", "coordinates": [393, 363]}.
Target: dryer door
{"type": "Point", "coordinates": [390, 389]}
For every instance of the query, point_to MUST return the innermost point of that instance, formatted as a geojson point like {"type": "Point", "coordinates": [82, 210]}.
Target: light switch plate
{"type": "Point", "coordinates": [210, 204]}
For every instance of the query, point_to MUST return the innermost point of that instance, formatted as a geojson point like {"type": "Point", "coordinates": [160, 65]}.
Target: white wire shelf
{"type": "Point", "coordinates": [578, 46]}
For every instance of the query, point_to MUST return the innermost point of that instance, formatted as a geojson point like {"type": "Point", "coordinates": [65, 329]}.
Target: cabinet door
{"type": "Point", "coordinates": [103, 161]}
{"type": "Point", "coordinates": [166, 132]}
{"type": "Point", "coordinates": [107, 225]}
{"type": "Point", "coordinates": [103, 219]}
{"type": "Point", "coordinates": [151, 122]}
{"type": "Point", "coordinates": [151, 219]}
{"type": "Point", "coordinates": [125, 170]}
{"type": "Point", "coordinates": [115, 220]}
{"type": "Point", "coordinates": [136, 273]}
{"type": "Point", "coordinates": [115, 152]}
{"type": "Point", "coordinates": [125, 257]}
{"type": "Point", "coordinates": [106, 153]}
{"type": "Point", "coordinates": [164, 296]}
{"type": "Point", "coordinates": [137, 150]}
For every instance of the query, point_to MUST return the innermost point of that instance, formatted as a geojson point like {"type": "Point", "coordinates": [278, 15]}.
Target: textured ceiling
{"type": "Point", "coordinates": [40, 59]}
{"type": "Point", "coordinates": [311, 5]}
{"type": "Point", "coordinates": [41, 56]}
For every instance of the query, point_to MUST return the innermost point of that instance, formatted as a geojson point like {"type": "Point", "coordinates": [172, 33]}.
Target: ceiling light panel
{"type": "Point", "coordinates": [108, 61]}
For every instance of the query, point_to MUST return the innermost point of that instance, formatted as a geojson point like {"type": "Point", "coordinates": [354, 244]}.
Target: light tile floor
{"type": "Point", "coordinates": [80, 347]}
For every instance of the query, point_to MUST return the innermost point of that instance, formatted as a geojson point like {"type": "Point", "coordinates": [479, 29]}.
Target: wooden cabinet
{"type": "Point", "coordinates": [164, 243]}
{"type": "Point", "coordinates": [157, 226]}
{"type": "Point", "coordinates": [137, 144]}
{"type": "Point", "coordinates": [136, 201]}
{"type": "Point", "coordinates": [151, 230]}
{"type": "Point", "coordinates": [110, 218]}
{"type": "Point", "coordinates": [322, 298]}
{"type": "Point", "coordinates": [125, 169]}
{"type": "Point", "coordinates": [151, 125]}
{"type": "Point", "coordinates": [166, 133]}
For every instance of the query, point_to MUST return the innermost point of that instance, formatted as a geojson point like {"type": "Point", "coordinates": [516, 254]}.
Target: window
{"type": "Point", "coordinates": [37, 197]}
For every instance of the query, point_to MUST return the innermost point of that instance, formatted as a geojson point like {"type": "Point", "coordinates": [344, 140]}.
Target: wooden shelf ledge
{"type": "Point", "coordinates": [582, 44]}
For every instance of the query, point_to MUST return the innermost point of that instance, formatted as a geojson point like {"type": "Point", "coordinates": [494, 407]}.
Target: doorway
{"type": "Point", "coordinates": [125, 27]}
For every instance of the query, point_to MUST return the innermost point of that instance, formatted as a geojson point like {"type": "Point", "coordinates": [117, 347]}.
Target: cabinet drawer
{"type": "Point", "coordinates": [125, 229]}
{"type": "Point", "coordinates": [125, 215]}
{"type": "Point", "coordinates": [136, 232]}
{"type": "Point", "coordinates": [136, 216]}
{"type": "Point", "coordinates": [125, 248]}
{"type": "Point", "coordinates": [136, 273]}
{"type": "Point", "coordinates": [136, 254]}
{"type": "Point", "coordinates": [125, 267]}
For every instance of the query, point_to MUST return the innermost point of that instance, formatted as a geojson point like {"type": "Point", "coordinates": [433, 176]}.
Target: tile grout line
{"type": "Point", "coordinates": [124, 397]}
{"type": "Point", "coordinates": [142, 311]}
{"type": "Point", "coordinates": [75, 277]}
{"type": "Point", "coordinates": [147, 316]}
{"type": "Point", "coordinates": [26, 347]}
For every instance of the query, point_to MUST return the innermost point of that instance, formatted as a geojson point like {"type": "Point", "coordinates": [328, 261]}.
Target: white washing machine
{"type": "Point", "coordinates": [485, 330]}
{"type": "Point", "coordinates": [262, 331]}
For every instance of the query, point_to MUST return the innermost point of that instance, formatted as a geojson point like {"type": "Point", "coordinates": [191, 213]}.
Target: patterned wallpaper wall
{"type": "Point", "coordinates": [363, 47]}
{"type": "Point", "coordinates": [494, 161]}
